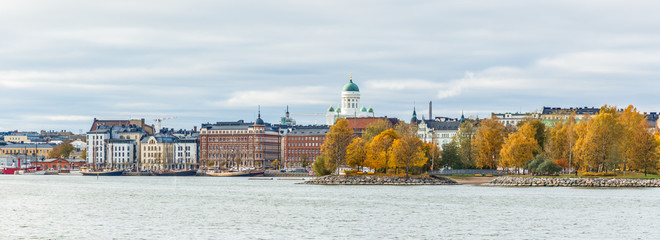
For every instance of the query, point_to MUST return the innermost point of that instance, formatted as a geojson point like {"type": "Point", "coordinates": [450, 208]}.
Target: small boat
{"type": "Point", "coordinates": [176, 173]}
{"type": "Point", "coordinates": [103, 173]}
{"type": "Point", "coordinates": [228, 174]}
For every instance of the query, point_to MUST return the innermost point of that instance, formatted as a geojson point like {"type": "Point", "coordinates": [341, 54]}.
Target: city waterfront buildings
{"type": "Point", "coordinates": [238, 144]}
{"type": "Point", "coordinates": [29, 149]}
{"type": "Point", "coordinates": [303, 145]}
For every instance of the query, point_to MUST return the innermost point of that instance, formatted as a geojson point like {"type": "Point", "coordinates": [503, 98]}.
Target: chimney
{"type": "Point", "coordinates": [430, 110]}
{"type": "Point", "coordinates": [195, 129]}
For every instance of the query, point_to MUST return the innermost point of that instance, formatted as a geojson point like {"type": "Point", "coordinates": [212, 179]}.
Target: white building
{"type": "Point", "coordinates": [350, 105]}
{"type": "Point", "coordinates": [96, 147]}
{"type": "Point", "coordinates": [185, 153]}
{"type": "Point", "coordinates": [437, 131]}
{"type": "Point", "coordinates": [512, 119]}
{"type": "Point", "coordinates": [121, 153]}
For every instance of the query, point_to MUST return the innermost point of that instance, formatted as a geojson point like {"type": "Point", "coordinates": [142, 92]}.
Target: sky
{"type": "Point", "coordinates": [64, 63]}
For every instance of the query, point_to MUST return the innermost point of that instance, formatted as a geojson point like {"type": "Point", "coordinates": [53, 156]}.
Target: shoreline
{"type": "Point", "coordinates": [379, 180]}
{"type": "Point", "coordinates": [573, 182]}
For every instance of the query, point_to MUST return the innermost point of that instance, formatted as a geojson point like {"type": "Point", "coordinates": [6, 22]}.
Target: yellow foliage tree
{"type": "Point", "coordinates": [407, 152]}
{"type": "Point", "coordinates": [488, 143]}
{"type": "Point", "coordinates": [643, 156]}
{"type": "Point", "coordinates": [375, 128]}
{"type": "Point", "coordinates": [629, 146]}
{"type": "Point", "coordinates": [517, 150]}
{"type": "Point", "coordinates": [356, 153]}
{"type": "Point", "coordinates": [336, 142]}
{"type": "Point", "coordinates": [379, 149]}
{"type": "Point", "coordinates": [596, 146]}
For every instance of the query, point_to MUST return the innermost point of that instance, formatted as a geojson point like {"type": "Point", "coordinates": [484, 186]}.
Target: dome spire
{"type": "Point", "coordinates": [259, 121]}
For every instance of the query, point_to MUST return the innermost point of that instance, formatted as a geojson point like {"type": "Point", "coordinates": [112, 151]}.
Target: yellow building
{"type": "Point", "coordinates": [16, 139]}
{"type": "Point", "coordinates": [157, 152]}
{"type": "Point", "coordinates": [41, 150]}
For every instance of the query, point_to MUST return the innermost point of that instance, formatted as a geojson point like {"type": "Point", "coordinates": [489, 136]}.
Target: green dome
{"type": "Point", "coordinates": [351, 87]}
{"type": "Point", "coordinates": [364, 109]}
{"type": "Point", "coordinates": [371, 110]}
{"type": "Point", "coordinates": [339, 110]}
{"type": "Point", "coordinates": [331, 109]}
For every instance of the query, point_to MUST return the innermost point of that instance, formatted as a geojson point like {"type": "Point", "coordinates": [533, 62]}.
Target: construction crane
{"type": "Point", "coordinates": [160, 122]}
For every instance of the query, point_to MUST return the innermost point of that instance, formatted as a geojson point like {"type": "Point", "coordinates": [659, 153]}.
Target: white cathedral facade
{"type": "Point", "coordinates": [350, 105]}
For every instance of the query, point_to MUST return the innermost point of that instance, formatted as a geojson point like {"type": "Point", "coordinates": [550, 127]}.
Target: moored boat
{"type": "Point", "coordinates": [176, 173]}
{"type": "Point", "coordinates": [228, 174]}
{"type": "Point", "coordinates": [102, 173]}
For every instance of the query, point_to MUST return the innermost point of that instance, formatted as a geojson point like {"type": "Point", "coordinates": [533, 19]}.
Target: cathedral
{"type": "Point", "coordinates": [350, 105]}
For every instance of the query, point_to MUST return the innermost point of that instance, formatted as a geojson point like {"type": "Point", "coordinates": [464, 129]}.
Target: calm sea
{"type": "Point", "coordinates": [77, 207]}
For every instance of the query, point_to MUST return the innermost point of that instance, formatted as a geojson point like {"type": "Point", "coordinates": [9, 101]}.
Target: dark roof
{"type": "Point", "coordinates": [310, 130]}
{"type": "Point", "coordinates": [238, 125]}
{"type": "Point", "coordinates": [579, 111]}
{"type": "Point", "coordinates": [160, 138]}
{"type": "Point", "coordinates": [437, 125]}
{"type": "Point", "coordinates": [27, 145]}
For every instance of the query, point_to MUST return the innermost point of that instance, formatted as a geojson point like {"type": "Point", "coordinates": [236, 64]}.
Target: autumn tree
{"type": "Point", "coordinates": [275, 164]}
{"type": "Point", "coordinates": [596, 147]}
{"type": "Point", "coordinates": [356, 153]}
{"type": "Point", "coordinates": [379, 149]}
{"type": "Point", "coordinates": [561, 139]}
{"type": "Point", "coordinates": [336, 142]}
{"type": "Point", "coordinates": [488, 143]}
{"type": "Point", "coordinates": [629, 147]}
{"type": "Point", "coordinates": [517, 150]}
{"type": "Point", "coordinates": [84, 154]}
{"type": "Point", "coordinates": [375, 128]}
{"type": "Point", "coordinates": [407, 152]}
{"type": "Point", "coordinates": [434, 155]}
{"type": "Point", "coordinates": [644, 156]}
{"type": "Point", "coordinates": [62, 151]}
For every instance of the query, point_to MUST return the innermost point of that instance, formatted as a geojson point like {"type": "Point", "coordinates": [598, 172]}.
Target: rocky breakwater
{"type": "Point", "coordinates": [573, 182]}
{"type": "Point", "coordinates": [379, 180]}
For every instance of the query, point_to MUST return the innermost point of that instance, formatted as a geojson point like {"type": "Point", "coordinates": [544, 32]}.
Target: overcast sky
{"type": "Point", "coordinates": [62, 63]}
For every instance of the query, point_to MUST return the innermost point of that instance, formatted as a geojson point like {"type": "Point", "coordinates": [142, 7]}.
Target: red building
{"type": "Point", "coordinates": [59, 164]}
{"type": "Point", "coordinates": [304, 142]}
{"type": "Point", "coordinates": [359, 124]}
{"type": "Point", "coordinates": [238, 144]}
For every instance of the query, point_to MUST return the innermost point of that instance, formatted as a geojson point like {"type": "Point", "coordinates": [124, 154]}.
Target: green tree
{"type": "Point", "coordinates": [336, 142]}
{"type": "Point", "coordinates": [356, 153]}
{"type": "Point", "coordinates": [304, 161]}
{"type": "Point", "coordinates": [450, 155]}
{"type": "Point", "coordinates": [464, 137]}
{"type": "Point", "coordinates": [319, 167]}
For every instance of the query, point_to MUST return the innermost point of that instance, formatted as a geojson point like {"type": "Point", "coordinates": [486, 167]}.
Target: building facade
{"type": "Point", "coordinates": [157, 152]}
{"type": "Point", "coordinates": [238, 144]}
{"type": "Point", "coordinates": [122, 153]}
{"type": "Point", "coordinates": [28, 149]}
{"type": "Point", "coordinates": [185, 153]}
{"type": "Point", "coordinates": [303, 144]}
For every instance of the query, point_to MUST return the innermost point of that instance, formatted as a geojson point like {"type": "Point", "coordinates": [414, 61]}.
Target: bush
{"type": "Point", "coordinates": [548, 168]}
{"type": "Point", "coordinates": [350, 172]}
{"type": "Point", "coordinates": [319, 167]}
{"type": "Point", "coordinates": [533, 164]}
{"type": "Point", "coordinates": [599, 174]}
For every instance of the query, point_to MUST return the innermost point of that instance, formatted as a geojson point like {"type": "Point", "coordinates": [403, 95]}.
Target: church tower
{"type": "Point", "coordinates": [350, 98]}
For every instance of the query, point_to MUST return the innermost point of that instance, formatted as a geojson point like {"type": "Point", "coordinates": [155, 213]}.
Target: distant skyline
{"type": "Point", "coordinates": [66, 62]}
